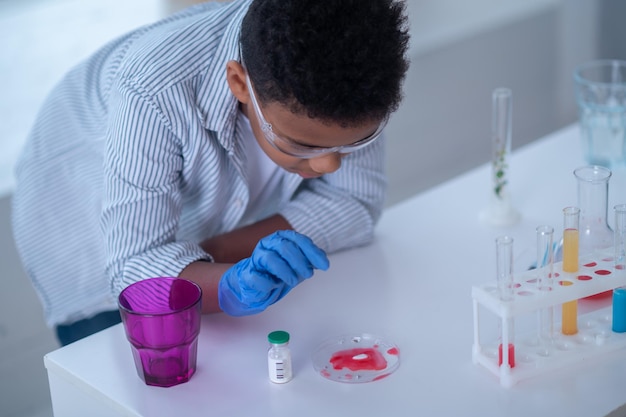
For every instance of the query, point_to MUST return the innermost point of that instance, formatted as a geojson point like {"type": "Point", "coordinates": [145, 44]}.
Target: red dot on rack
{"type": "Point", "coordinates": [532, 281]}
{"type": "Point", "coordinates": [555, 275]}
{"type": "Point", "coordinates": [393, 351]}
{"type": "Point", "coordinates": [603, 272]}
{"type": "Point", "coordinates": [590, 264]}
{"type": "Point", "coordinates": [584, 277]}
{"type": "Point", "coordinates": [620, 266]}
{"type": "Point", "coordinates": [609, 259]}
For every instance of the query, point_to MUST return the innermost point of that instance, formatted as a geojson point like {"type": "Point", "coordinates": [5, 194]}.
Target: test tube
{"type": "Point", "coordinates": [504, 275]}
{"type": "Point", "coordinates": [504, 267]}
{"type": "Point", "coordinates": [619, 294]}
{"type": "Point", "coordinates": [571, 215]}
{"type": "Point", "coordinates": [545, 237]}
{"type": "Point", "coordinates": [619, 234]}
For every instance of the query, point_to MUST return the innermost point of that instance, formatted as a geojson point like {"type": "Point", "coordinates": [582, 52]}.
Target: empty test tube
{"type": "Point", "coordinates": [545, 256]}
{"type": "Point", "coordinates": [620, 236]}
{"type": "Point", "coordinates": [571, 216]}
{"type": "Point", "coordinates": [504, 267]}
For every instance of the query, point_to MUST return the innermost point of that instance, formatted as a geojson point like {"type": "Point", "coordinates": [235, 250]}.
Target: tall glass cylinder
{"type": "Point", "coordinates": [502, 109]}
{"type": "Point", "coordinates": [593, 194]}
{"type": "Point", "coordinates": [500, 211]}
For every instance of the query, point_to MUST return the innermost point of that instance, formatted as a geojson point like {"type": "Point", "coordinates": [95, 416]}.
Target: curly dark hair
{"type": "Point", "coordinates": [339, 61]}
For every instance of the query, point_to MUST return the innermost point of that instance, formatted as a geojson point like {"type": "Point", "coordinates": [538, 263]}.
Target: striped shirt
{"type": "Point", "coordinates": [136, 156]}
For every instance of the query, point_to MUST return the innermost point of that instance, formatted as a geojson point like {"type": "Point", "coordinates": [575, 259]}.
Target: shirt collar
{"type": "Point", "coordinates": [217, 106]}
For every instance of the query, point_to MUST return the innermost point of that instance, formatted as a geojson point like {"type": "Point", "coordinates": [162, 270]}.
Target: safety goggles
{"type": "Point", "coordinates": [298, 150]}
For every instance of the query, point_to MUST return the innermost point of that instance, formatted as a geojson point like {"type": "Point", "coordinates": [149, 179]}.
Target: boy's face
{"type": "Point", "coordinates": [295, 132]}
{"type": "Point", "coordinates": [302, 130]}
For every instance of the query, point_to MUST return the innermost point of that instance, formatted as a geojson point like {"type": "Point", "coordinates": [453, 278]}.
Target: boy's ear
{"type": "Point", "coordinates": [236, 78]}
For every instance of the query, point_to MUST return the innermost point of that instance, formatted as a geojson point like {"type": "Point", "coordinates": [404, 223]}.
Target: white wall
{"type": "Point", "coordinates": [41, 40]}
{"type": "Point", "coordinates": [532, 47]}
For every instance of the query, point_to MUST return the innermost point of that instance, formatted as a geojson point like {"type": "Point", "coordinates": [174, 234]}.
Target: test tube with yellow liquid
{"type": "Point", "coordinates": [571, 216]}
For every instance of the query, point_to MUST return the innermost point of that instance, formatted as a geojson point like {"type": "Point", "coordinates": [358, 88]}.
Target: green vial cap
{"type": "Point", "coordinates": [278, 337]}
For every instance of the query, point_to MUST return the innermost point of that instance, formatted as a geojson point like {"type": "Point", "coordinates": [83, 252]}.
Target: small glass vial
{"type": "Point", "coordinates": [279, 357]}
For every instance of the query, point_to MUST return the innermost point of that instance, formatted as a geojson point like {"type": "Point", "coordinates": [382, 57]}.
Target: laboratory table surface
{"type": "Point", "coordinates": [412, 286]}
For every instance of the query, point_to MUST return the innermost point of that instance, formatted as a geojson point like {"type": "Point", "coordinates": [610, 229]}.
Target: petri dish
{"type": "Point", "coordinates": [356, 358]}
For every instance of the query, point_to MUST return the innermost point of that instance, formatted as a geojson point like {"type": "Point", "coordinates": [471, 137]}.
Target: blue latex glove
{"type": "Point", "coordinates": [278, 263]}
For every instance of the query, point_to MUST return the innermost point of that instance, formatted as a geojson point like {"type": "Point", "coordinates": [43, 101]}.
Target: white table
{"type": "Point", "coordinates": [412, 286]}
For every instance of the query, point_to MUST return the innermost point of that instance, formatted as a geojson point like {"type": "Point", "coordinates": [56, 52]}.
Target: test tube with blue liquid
{"type": "Point", "coordinates": [619, 294]}
{"type": "Point", "coordinates": [504, 278]}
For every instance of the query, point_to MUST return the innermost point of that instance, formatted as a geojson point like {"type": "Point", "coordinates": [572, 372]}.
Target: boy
{"type": "Point", "coordinates": [207, 146]}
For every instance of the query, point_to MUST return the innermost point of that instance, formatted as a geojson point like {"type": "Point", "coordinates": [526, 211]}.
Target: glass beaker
{"type": "Point", "coordinates": [600, 88]}
{"type": "Point", "coordinates": [593, 194]}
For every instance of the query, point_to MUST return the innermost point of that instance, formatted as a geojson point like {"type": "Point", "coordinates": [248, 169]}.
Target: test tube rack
{"type": "Point", "coordinates": [595, 337]}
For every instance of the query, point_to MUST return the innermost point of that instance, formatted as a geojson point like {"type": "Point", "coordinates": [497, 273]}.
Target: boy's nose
{"type": "Point", "coordinates": [326, 164]}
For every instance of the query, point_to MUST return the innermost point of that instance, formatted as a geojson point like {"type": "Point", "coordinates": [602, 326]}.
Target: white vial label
{"type": "Point", "coordinates": [279, 369]}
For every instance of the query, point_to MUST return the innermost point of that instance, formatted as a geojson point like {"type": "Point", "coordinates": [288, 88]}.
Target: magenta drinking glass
{"type": "Point", "coordinates": [161, 317]}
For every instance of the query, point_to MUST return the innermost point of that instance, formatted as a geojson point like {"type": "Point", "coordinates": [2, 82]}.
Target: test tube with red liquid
{"type": "Point", "coordinates": [504, 277]}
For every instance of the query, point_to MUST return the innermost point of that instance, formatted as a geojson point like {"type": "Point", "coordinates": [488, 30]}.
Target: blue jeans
{"type": "Point", "coordinates": [69, 333]}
